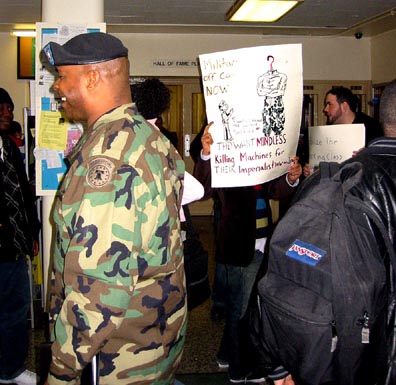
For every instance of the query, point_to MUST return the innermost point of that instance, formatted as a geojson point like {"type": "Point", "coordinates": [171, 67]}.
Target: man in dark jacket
{"type": "Point", "coordinates": [340, 107]}
{"type": "Point", "coordinates": [383, 194]}
{"type": "Point", "coordinates": [243, 227]}
{"type": "Point", "coordinates": [379, 183]}
{"type": "Point", "coordinates": [19, 229]}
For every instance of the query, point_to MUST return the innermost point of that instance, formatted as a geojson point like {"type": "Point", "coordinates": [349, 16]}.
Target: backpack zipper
{"type": "Point", "coordinates": [364, 323]}
{"type": "Point", "coordinates": [334, 337]}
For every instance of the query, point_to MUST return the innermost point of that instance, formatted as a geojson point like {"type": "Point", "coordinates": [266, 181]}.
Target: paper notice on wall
{"type": "Point", "coordinates": [52, 130]}
{"type": "Point", "coordinates": [254, 97]}
{"type": "Point", "coordinates": [334, 143]}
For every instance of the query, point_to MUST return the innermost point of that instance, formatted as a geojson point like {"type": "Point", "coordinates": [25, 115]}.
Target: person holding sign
{"type": "Point", "coordinates": [340, 107]}
{"type": "Point", "coordinates": [376, 170]}
{"type": "Point", "coordinates": [118, 281]}
{"type": "Point", "coordinates": [243, 227]}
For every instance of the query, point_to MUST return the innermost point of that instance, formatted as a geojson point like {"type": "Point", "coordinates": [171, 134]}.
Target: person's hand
{"type": "Point", "coordinates": [35, 248]}
{"type": "Point", "coordinates": [354, 153]}
{"type": "Point", "coordinates": [284, 381]}
{"type": "Point", "coordinates": [294, 171]}
{"type": "Point", "coordinates": [46, 382]}
{"type": "Point", "coordinates": [307, 170]}
{"type": "Point", "coordinates": [206, 140]}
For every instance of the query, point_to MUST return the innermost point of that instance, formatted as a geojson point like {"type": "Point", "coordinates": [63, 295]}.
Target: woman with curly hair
{"type": "Point", "coordinates": [152, 98]}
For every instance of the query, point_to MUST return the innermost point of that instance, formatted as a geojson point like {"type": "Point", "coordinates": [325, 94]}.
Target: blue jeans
{"type": "Point", "coordinates": [219, 288]}
{"type": "Point", "coordinates": [14, 307]}
{"type": "Point", "coordinates": [239, 284]}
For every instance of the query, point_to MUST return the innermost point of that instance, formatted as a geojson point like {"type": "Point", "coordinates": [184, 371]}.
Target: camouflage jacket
{"type": "Point", "coordinates": [118, 282]}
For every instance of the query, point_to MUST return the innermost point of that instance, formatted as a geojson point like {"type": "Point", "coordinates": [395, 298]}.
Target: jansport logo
{"type": "Point", "coordinates": [305, 252]}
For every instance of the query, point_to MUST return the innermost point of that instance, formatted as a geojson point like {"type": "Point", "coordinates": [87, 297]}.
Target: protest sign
{"type": "Point", "coordinates": [254, 97]}
{"type": "Point", "coordinates": [334, 143]}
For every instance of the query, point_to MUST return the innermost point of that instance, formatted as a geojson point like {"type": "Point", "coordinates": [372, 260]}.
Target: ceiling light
{"type": "Point", "coordinates": [260, 10]}
{"type": "Point", "coordinates": [23, 32]}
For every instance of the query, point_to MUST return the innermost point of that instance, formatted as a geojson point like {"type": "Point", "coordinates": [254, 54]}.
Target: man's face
{"type": "Point", "coordinates": [6, 116]}
{"type": "Point", "coordinates": [69, 88]}
{"type": "Point", "coordinates": [332, 109]}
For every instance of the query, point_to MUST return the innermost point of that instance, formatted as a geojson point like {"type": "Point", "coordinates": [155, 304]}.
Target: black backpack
{"type": "Point", "coordinates": [326, 301]}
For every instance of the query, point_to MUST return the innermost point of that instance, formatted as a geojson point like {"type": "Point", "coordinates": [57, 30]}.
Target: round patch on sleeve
{"type": "Point", "coordinates": [100, 172]}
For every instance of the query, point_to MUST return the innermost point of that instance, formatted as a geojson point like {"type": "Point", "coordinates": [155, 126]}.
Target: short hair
{"type": "Point", "coordinates": [388, 109]}
{"type": "Point", "coordinates": [6, 98]}
{"type": "Point", "coordinates": [344, 94]}
{"type": "Point", "coordinates": [15, 127]}
{"type": "Point", "coordinates": [151, 97]}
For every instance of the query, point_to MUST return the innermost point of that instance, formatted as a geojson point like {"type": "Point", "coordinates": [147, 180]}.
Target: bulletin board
{"type": "Point", "coordinates": [55, 135]}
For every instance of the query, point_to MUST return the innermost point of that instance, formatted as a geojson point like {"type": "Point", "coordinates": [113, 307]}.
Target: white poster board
{"type": "Point", "coordinates": [254, 97]}
{"type": "Point", "coordinates": [334, 143]}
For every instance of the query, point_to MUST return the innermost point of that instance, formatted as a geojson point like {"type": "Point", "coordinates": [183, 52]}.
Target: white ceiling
{"type": "Point", "coordinates": [313, 17]}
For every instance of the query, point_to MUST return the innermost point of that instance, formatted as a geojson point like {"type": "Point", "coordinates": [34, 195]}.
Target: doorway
{"type": "Point", "coordinates": [187, 116]}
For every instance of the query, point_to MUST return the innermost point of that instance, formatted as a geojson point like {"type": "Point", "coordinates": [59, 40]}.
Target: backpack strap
{"type": "Point", "coordinates": [325, 172]}
{"type": "Point", "coordinates": [387, 238]}
{"type": "Point", "coordinates": [328, 169]}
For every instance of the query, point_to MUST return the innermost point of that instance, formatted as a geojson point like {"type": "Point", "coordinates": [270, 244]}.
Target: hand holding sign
{"type": "Point", "coordinates": [294, 171]}
{"type": "Point", "coordinates": [206, 140]}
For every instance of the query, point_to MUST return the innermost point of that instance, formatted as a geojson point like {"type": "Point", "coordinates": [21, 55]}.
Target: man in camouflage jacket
{"type": "Point", "coordinates": [118, 285]}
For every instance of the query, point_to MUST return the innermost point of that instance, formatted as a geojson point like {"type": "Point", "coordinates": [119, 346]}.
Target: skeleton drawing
{"type": "Point", "coordinates": [226, 113]}
{"type": "Point", "coordinates": [272, 86]}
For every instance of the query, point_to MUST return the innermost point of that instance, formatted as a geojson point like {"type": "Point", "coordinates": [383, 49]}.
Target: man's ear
{"type": "Point", "coordinates": [345, 107]}
{"type": "Point", "coordinates": [92, 78]}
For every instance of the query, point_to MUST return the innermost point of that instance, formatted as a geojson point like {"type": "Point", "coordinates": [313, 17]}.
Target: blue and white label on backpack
{"type": "Point", "coordinates": [305, 252]}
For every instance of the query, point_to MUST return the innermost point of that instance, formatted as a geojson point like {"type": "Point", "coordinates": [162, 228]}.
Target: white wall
{"type": "Point", "coordinates": [383, 56]}
{"type": "Point", "coordinates": [324, 58]}
{"type": "Point", "coordinates": [18, 89]}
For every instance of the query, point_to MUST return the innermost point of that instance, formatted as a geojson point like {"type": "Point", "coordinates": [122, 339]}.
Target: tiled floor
{"type": "Point", "coordinates": [198, 366]}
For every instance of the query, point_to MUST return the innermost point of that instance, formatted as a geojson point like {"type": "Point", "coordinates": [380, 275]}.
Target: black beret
{"type": "Point", "coordinates": [87, 48]}
{"type": "Point", "coordinates": [5, 98]}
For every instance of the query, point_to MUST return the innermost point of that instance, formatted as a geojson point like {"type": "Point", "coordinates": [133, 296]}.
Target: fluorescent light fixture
{"type": "Point", "coordinates": [23, 32]}
{"type": "Point", "coordinates": [260, 10]}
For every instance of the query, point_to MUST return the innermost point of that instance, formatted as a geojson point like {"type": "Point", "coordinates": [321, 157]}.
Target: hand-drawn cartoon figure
{"type": "Point", "coordinates": [225, 117]}
{"type": "Point", "coordinates": [272, 86]}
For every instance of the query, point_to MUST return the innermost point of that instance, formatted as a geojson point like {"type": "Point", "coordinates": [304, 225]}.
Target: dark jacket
{"type": "Point", "coordinates": [372, 128]}
{"type": "Point", "coordinates": [29, 224]}
{"type": "Point", "coordinates": [379, 183]}
{"type": "Point", "coordinates": [378, 186]}
{"type": "Point", "coordinates": [236, 230]}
